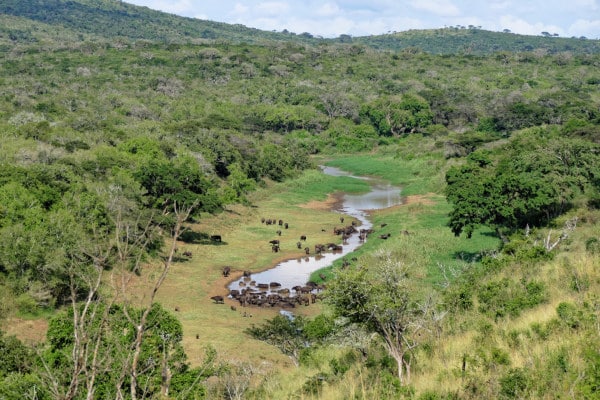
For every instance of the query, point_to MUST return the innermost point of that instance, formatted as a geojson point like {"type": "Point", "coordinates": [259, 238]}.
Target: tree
{"type": "Point", "coordinates": [392, 115]}
{"type": "Point", "coordinates": [104, 344]}
{"type": "Point", "coordinates": [382, 298]}
{"type": "Point", "coordinates": [529, 185]}
{"type": "Point", "coordinates": [287, 334]}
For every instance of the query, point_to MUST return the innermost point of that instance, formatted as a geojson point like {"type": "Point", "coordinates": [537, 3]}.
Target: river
{"type": "Point", "coordinates": [296, 272]}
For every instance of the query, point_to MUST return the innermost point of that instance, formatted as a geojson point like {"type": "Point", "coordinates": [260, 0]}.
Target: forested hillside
{"type": "Point", "coordinates": [129, 137]}
{"type": "Point", "coordinates": [117, 19]}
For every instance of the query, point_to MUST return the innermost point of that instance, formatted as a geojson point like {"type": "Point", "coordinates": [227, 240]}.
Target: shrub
{"type": "Point", "coordinates": [513, 384]}
{"type": "Point", "coordinates": [592, 245]}
{"type": "Point", "coordinates": [341, 365]}
{"type": "Point", "coordinates": [504, 297]}
{"type": "Point", "coordinates": [569, 315]}
{"type": "Point", "coordinates": [500, 357]}
{"type": "Point", "coordinates": [314, 384]}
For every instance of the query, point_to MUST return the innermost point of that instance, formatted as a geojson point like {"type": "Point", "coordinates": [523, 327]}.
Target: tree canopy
{"type": "Point", "coordinates": [528, 185]}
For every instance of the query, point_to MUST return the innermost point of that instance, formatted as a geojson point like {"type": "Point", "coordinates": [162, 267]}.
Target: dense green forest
{"type": "Point", "coordinates": [124, 130]}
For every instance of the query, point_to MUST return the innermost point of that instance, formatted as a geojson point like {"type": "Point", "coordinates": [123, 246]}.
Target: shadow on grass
{"type": "Point", "coordinates": [467, 256]}
{"type": "Point", "coordinates": [191, 237]}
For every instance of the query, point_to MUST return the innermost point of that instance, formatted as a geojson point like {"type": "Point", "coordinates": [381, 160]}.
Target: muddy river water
{"type": "Point", "coordinates": [296, 272]}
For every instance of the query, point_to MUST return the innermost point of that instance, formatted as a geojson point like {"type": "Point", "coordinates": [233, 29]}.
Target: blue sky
{"type": "Point", "coordinates": [566, 18]}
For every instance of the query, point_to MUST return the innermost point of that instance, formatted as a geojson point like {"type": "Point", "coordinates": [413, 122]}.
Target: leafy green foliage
{"type": "Point", "coordinates": [513, 384]}
{"type": "Point", "coordinates": [380, 298]}
{"type": "Point", "coordinates": [286, 333]}
{"type": "Point", "coordinates": [391, 116]}
{"type": "Point", "coordinates": [15, 357]}
{"type": "Point", "coordinates": [113, 333]}
{"type": "Point", "coordinates": [527, 186]}
{"type": "Point", "coordinates": [505, 298]}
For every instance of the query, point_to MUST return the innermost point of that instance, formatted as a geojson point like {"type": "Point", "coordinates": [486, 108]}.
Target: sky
{"type": "Point", "coordinates": [329, 19]}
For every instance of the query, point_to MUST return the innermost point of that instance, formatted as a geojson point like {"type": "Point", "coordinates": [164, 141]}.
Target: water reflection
{"type": "Point", "coordinates": [296, 272]}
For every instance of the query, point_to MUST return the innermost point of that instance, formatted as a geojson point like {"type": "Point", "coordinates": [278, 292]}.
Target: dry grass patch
{"type": "Point", "coordinates": [29, 331]}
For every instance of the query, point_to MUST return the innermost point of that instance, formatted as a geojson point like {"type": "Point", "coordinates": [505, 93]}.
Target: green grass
{"type": "Point", "coordinates": [314, 185]}
{"type": "Point", "coordinates": [430, 242]}
{"type": "Point", "coordinates": [416, 176]}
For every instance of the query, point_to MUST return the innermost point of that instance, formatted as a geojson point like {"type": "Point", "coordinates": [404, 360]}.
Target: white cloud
{"type": "Point", "coordinates": [330, 18]}
{"type": "Point", "coordinates": [590, 4]}
{"type": "Point", "coordinates": [328, 10]}
{"type": "Point", "coordinates": [239, 9]}
{"type": "Point", "coordinates": [272, 8]}
{"type": "Point", "coordinates": [498, 6]}
{"type": "Point", "coordinates": [518, 25]}
{"type": "Point", "coordinates": [438, 7]}
{"type": "Point", "coordinates": [584, 27]}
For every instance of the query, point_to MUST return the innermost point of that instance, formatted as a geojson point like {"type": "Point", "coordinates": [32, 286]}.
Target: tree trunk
{"type": "Point", "coordinates": [399, 363]}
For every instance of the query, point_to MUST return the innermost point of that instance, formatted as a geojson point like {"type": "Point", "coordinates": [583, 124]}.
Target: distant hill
{"type": "Point", "coordinates": [476, 41]}
{"type": "Point", "coordinates": [79, 19]}
{"type": "Point", "coordinates": [110, 19]}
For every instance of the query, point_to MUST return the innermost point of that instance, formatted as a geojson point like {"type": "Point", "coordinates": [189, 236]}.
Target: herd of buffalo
{"type": "Point", "coordinates": [272, 294]}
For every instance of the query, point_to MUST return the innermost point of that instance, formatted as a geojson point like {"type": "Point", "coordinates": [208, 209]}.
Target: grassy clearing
{"type": "Point", "coordinates": [415, 175]}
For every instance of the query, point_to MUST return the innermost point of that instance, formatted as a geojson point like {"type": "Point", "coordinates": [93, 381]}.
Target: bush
{"type": "Point", "coordinates": [569, 315]}
{"type": "Point", "coordinates": [499, 357]}
{"type": "Point", "coordinates": [319, 328]}
{"type": "Point", "coordinates": [341, 365]}
{"type": "Point", "coordinates": [592, 245]}
{"type": "Point", "coordinates": [314, 384]}
{"type": "Point", "coordinates": [504, 297]}
{"type": "Point", "coordinates": [513, 384]}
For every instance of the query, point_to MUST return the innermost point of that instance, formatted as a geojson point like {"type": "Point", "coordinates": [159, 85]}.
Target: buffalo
{"type": "Point", "coordinates": [218, 299]}
{"type": "Point", "coordinates": [226, 271]}
{"type": "Point", "coordinates": [216, 238]}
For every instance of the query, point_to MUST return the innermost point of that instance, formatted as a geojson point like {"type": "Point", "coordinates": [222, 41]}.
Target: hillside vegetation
{"type": "Point", "coordinates": [117, 19]}
{"type": "Point", "coordinates": [139, 152]}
